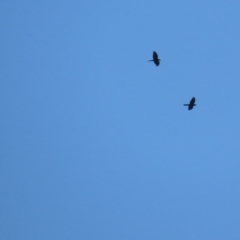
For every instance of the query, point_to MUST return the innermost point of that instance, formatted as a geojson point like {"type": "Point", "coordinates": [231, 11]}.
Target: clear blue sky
{"type": "Point", "coordinates": [95, 141]}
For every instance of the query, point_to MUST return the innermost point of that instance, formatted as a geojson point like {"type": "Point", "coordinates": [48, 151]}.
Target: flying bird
{"type": "Point", "coordinates": [191, 104]}
{"type": "Point", "coordinates": [155, 59]}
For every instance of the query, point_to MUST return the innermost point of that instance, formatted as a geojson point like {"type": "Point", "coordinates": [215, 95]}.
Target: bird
{"type": "Point", "coordinates": [191, 104]}
{"type": "Point", "coordinates": [155, 59]}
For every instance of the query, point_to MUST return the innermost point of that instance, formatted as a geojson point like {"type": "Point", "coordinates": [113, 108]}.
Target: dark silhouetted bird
{"type": "Point", "coordinates": [155, 59]}
{"type": "Point", "coordinates": [191, 104]}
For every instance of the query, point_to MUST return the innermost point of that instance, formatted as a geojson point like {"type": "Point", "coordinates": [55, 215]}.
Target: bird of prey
{"type": "Point", "coordinates": [155, 59]}
{"type": "Point", "coordinates": [191, 104]}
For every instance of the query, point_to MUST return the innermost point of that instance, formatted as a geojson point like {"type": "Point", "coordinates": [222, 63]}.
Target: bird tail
{"type": "Point", "coordinates": [185, 104]}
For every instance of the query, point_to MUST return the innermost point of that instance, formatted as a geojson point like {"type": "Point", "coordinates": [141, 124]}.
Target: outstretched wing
{"type": "Point", "coordinates": [155, 55]}
{"type": "Point", "coordinates": [192, 101]}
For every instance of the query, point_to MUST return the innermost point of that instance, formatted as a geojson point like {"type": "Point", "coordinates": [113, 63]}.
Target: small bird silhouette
{"type": "Point", "coordinates": [191, 104]}
{"type": "Point", "coordinates": [155, 59]}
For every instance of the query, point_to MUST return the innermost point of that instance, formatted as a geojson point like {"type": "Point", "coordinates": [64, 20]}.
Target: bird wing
{"type": "Point", "coordinates": [155, 56]}
{"type": "Point", "coordinates": [192, 101]}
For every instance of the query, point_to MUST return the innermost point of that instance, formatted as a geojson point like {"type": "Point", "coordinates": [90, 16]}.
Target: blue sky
{"type": "Point", "coordinates": [95, 141]}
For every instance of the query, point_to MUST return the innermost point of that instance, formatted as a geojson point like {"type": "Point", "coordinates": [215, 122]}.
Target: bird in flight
{"type": "Point", "coordinates": [191, 104]}
{"type": "Point", "coordinates": [155, 59]}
